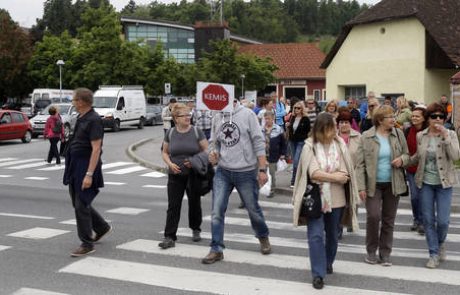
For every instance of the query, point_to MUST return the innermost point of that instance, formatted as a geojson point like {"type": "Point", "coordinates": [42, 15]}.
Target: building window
{"type": "Point", "coordinates": [317, 94]}
{"type": "Point", "coordinates": [355, 91]}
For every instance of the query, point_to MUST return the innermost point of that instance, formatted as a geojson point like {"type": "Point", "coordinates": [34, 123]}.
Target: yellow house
{"type": "Point", "coordinates": [397, 47]}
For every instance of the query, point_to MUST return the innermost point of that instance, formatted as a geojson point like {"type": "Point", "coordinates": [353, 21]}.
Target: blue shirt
{"type": "Point", "coordinates": [280, 112]}
{"type": "Point", "coordinates": [384, 160]}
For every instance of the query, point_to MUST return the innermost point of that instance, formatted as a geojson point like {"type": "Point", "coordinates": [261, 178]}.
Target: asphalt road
{"type": "Point", "coordinates": [37, 233]}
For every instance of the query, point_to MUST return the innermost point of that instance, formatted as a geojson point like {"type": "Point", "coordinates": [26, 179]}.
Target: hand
{"type": "Point", "coordinates": [287, 124]}
{"type": "Point", "coordinates": [263, 178]}
{"type": "Point", "coordinates": [397, 162]}
{"type": "Point", "coordinates": [363, 195]}
{"type": "Point", "coordinates": [341, 177]}
{"type": "Point", "coordinates": [187, 164]}
{"type": "Point", "coordinates": [87, 182]}
{"type": "Point", "coordinates": [213, 157]}
{"type": "Point", "coordinates": [443, 130]}
{"type": "Point", "coordinates": [174, 168]}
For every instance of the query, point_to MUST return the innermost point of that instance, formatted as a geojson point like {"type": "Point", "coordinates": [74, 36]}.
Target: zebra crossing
{"type": "Point", "coordinates": [242, 270]}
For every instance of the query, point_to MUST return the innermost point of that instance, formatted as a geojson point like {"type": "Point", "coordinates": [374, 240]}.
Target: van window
{"type": "Point", "coordinates": [121, 103]}
{"type": "Point", "coordinates": [104, 102]}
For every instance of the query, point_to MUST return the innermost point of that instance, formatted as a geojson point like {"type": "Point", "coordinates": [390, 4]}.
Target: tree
{"type": "Point", "coordinates": [130, 8]}
{"type": "Point", "coordinates": [57, 16]}
{"type": "Point", "coordinates": [15, 51]}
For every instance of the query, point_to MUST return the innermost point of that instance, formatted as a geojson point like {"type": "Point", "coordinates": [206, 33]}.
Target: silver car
{"type": "Point", "coordinates": [68, 115]}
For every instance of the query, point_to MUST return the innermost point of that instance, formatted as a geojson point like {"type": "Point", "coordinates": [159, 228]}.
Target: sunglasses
{"type": "Point", "coordinates": [181, 116]}
{"type": "Point", "coordinates": [372, 105]}
{"type": "Point", "coordinates": [438, 116]}
{"type": "Point", "coordinates": [297, 108]}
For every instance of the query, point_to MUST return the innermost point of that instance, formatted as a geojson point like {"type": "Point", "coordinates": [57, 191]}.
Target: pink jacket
{"type": "Point", "coordinates": [50, 122]}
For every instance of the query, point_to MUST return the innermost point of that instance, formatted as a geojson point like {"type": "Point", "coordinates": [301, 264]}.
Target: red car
{"type": "Point", "coordinates": [15, 125]}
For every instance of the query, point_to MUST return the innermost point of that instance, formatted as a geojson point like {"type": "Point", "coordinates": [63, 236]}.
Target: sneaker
{"type": "Point", "coordinates": [414, 226]}
{"type": "Point", "coordinates": [318, 283]}
{"type": "Point", "coordinates": [291, 186]}
{"type": "Point", "coordinates": [371, 259]}
{"type": "Point", "coordinates": [167, 243]}
{"type": "Point", "coordinates": [433, 262]}
{"type": "Point", "coordinates": [442, 253]}
{"type": "Point", "coordinates": [421, 230]}
{"type": "Point", "coordinates": [271, 195]}
{"type": "Point", "coordinates": [265, 247]}
{"type": "Point", "coordinates": [196, 235]}
{"type": "Point", "coordinates": [329, 270]}
{"type": "Point", "coordinates": [385, 261]}
{"type": "Point", "coordinates": [97, 237]}
{"type": "Point", "coordinates": [82, 251]}
{"type": "Point", "coordinates": [212, 257]}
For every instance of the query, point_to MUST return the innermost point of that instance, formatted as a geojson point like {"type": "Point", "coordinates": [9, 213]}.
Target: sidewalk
{"type": "Point", "coordinates": [147, 153]}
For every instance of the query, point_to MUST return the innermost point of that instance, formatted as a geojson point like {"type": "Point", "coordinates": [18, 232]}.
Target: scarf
{"type": "Point", "coordinates": [328, 162]}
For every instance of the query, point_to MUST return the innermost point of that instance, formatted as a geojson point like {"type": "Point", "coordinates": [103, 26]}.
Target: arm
{"type": "Point", "coordinates": [452, 145]}
{"type": "Point", "coordinates": [361, 170]}
{"type": "Point", "coordinates": [319, 175]}
{"type": "Point", "coordinates": [93, 161]}
{"type": "Point", "coordinates": [167, 159]}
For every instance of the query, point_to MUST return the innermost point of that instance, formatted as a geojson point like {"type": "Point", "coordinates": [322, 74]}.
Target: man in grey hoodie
{"type": "Point", "coordinates": [237, 146]}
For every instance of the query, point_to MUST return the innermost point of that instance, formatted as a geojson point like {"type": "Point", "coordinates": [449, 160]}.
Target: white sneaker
{"type": "Point", "coordinates": [433, 262]}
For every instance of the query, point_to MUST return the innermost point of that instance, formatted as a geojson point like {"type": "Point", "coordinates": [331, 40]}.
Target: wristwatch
{"type": "Point", "coordinates": [90, 174]}
{"type": "Point", "coordinates": [264, 170]}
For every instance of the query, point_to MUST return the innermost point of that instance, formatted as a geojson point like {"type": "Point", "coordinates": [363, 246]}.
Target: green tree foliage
{"type": "Point", "coordinates": [15, 52]}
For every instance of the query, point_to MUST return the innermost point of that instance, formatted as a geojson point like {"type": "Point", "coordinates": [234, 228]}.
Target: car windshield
{"type": "Point", "coordinates": [152, 108]}
{"type": "Point", "coordinates": [42, 103]}
{"type": "Point", "coordinates": [104, 102]}
{"type": "Point", "coordinates": [63, 109]}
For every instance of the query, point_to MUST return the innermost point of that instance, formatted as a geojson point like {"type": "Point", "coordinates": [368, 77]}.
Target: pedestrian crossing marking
{"type": "Point", "coordinates": [36, 178]}
{"type": "Point", "coordinates": [127, 211]}
{"type": "Point", "coordinates": [193, 280]}
{"type": "Point", "coordinates": [2, 248]}
{"type": "Point", "coordinates": [26, 216]}
{"type": "Point", "coordinates": [38, 233]}
{"type": "Point", "coordinates": [53, 168]}
{"type": "Point", "coordinates": [5, 176]}
{"type": "Point", "coordinates": [7, 159]}
{"type": "Point", "coordinates": [114, 183]}
{"type": "Point", "coordinates": [30, 291]}
{"type": "Point", "coordinates": [154, 186]}
{"type": "Point", "coordinates": [115, 164]}
{"type": "Point", "coordinates": [154, 174]}
{"type": "Point", "coordinates": [30, 165]}
{"type": "Point", "coordinates": [127, 170]}
{"type": "Point", "coordinates": [69, 222]}
{"type": "Point", "coordinates": [10, 163]}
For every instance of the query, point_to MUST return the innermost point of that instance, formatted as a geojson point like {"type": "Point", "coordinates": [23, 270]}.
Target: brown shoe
{"type": "Point", "coordinates": [97, 237]}
{"type": "Point", "coordinates": [212, 257]}
{"type": "Point", "coordinates": [265, 247]}
{"type": "Point", "coordinates": [82, 251]}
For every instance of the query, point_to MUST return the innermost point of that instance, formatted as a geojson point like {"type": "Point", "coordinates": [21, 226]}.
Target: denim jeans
{"type": "Point", "coordinates": [436, 223]}
{"type": "Point", "coordinates": [322, 253]}
{"type": "Point", "coordinates": [248, 188]}
{"type": "Point", "coordinates": [296, 149]}
{"type": "Point", "coordinates": [415, 198]}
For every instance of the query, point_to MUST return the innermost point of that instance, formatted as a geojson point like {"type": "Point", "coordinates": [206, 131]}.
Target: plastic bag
{"type": "Point", "coordinates": [281, 165]}
{"type": "Point", "coordinates": [266, 188]}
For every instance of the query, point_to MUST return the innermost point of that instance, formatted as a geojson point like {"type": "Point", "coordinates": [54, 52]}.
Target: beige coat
{"type": "Point", "coordinates": [368, 152]}
{"type": "Point", "coordinates": [448, 151]}
{"type": "Point", "coordinates": [353, 145]}
{"type": "Point", "coordinates": [349, 218]}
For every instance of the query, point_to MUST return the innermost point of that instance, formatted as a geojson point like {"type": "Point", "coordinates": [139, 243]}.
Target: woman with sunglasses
{"type": "Point", "coordinates": [437, 150]}
{"type": "Point", "coordinates": [298, 129]}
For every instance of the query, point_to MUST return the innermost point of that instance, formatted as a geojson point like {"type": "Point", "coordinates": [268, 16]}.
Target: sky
{"type": "Point", "coordinates": [25, 12]}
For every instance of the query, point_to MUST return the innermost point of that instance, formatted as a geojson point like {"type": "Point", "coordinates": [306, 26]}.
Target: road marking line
{"type": "Point", "coordinates": [115, 164]}
{"type": "Point", "coordinates": [114, 183]}
{"type": "Point", "coordinates": [31, 165]}
{"type": "Point", "coordinates": [154, 186]}
{"type": "Point", "coordinates": [38, 233]}
{"type": "Point", "coordinates": [26, 216]}
{"type": "Point", "coordinates": [5, 176]}
{"type": "Point", "coordinates": [2, 248]}
{"type": "Point", "coordinates": [30, 291]}
{"type": "Point", "coordinates": [7, 159]}
{"type": "Point", "coordinates": [197, 280]}
{"type": "Point", "coordinates": [154, 174]}
{"type": "Point", "coordinates": [127, 211]}
{"type": "Point", "coordinates": [53, 168]}
{"type": "Point", "coordinates": [127, 170]}
{"type": "Point", "coordinates": [36, 178]}
{"type": "Point", "coordinates": [9, 163]}
{"type": "Point", "coordinates": [69, 222]}
{"type": "Point", "coordinates": [298, 262]}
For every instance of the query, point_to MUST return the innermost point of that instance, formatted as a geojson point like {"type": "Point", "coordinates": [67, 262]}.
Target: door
{"type": "Point", "coordinates": [19, 125]}
{"type": "Point", "coordinates": [121, 110]}
{"type": "Point", "coordinates": [6, 126]}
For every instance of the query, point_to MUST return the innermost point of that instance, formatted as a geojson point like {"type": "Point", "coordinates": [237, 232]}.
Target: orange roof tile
{"type": "Point", "coordinates": [294, 60]}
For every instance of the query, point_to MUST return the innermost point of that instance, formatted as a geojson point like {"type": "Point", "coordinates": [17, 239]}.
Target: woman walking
{"type": "Point", "coordinates": [437, 150]}
{"type": "Point", "coordinates": [325, 160]}
{"type": "Point", "coordinates": [403, 113]}
{"type": "Point", "coordinates": [54, 132]}
{"type": "Point", "coordinates": [381, 153]}
{"type": "Point", "coordinates": [180, 144]}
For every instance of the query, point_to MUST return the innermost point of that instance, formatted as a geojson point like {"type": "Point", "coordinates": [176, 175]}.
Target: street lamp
{"type": "Point", "coordinates": [242, 85]}
{"type": "Point", "coordinates": [60, 63]}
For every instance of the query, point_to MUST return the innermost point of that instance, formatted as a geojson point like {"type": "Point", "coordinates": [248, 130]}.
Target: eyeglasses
{"type": "Point", "coordinates": [390, 117]}
{"type": "Point", "coordinates": [187, 115]}
{"type": "Point", "coordinates": [310, 102]}
{"type": "Point", "coordinates": [438, 116]}
{"type": "Point", "coordinates": [372, 106]}
{"type": "Point", "coordinates": [297, 108]}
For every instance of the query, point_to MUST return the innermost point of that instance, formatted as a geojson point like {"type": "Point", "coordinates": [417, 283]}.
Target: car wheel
{"type": "Point", "coordinates": [141, 123]}
{"type": "Point", "coordinates": [66, 132]}
{"type": "Point", "coordinates": [27, 137]}
{"type": "Point", "coordinates": [116, 126]}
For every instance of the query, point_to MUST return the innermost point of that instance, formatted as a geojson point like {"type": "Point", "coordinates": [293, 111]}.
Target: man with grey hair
{"type": "Point", "coordinates": [311, 110]}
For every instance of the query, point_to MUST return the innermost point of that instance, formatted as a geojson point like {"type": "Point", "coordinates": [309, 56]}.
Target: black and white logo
{"type": "Point", "coordinates": [230, 134]}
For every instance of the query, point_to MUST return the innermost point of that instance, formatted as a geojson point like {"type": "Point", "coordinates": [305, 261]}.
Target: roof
{"type": "Point", "coordinates": [455, 78]}
{"type": "Point", "coordinates": [294, 60]}
{"type": "Point", "coordinates": [441, 18]}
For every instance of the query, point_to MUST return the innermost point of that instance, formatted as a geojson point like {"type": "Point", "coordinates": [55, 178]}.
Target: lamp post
{"type": "Point", "coordinates": [60, 63]}
{"type": "Point", "coordinates": [242, 85]}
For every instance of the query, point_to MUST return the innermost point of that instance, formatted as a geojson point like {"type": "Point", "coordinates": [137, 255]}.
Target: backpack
{"type": "Point", "coordinates": [57, 129]}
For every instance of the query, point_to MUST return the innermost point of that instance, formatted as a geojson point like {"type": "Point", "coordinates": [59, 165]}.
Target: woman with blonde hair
{"type": "Point", "coordinates": [325, 160]}
{"type": "Point", "coordinates": [332, 108]}
{"type": "Point", "coordinates": [403, 113]}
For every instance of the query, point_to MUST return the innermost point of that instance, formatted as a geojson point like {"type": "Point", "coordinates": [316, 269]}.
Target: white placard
{"type": "Point", "coordinates": [201, 97]}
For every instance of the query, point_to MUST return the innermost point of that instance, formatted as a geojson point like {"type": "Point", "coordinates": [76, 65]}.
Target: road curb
{"type": "Point", "coordinates": [130, 152]}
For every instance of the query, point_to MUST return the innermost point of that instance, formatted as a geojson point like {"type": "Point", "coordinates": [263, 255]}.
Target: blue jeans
{"type": "Point", "coordinates": [322, 253]}
{"type": "Point", "coordinates": [248, 187]}
{"type": "Point", "coordinates": [436, 223]}
{"type": "Point", "coordinates": [296, 149]}
{"type": "Point", "coordinates": [415, 195]}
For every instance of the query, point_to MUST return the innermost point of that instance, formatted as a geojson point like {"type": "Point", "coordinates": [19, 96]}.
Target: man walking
{"type": "Point", "coordinates": [166, 116]}
{"type": "Point", "coordinates": [238, 148]}
{"type": "Point", "coordinates": [83, 172]}
{"type": "Point", "coordinates": [203, 120]}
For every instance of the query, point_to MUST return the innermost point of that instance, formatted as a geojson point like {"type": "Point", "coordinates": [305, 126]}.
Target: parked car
{"type": "Point", "coordinates": [15, 125]}
{"type": "Point", "coordinates": [68, 115]}
{"type": "Point", "coordinates": [153, 115]}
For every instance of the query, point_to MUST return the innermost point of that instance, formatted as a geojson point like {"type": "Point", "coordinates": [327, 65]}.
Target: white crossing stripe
{"type": "Point", "coordinates": [196, 280]}
{"type": "Point", "coordinates": [5, 176]}
{"type": "Point", "coordinates": [114, 183]}
{"type": "Point", "coordinates": [10, 163]}
{"type": "Point", "coordinates": [4, 247]}
{"type": "Point", "coordinates": [53, 168]}
{"type": "Point", "coordinates": [298, 262]}
{"type": "Point", "coordinates": [127, 211]}
{"type": "Point", "coordinates": [154, 174]}
{"type": "Point", "coordinates": [115, 164]}
{"type": "Point", "coordinates": [69, 221]}
{"type": "Point", "coordinates": [127, 170]}
{"type": "Point", "coordinates": [38, 233]}
{"type": "Point", "coordinates": [7, 159]}
{"type": "Point", "coordinates": [154, 186]}
{"type": "Point", "coordinates": [30, 165]}
{"type": "Point", "coordinates": [302, 244]}
{"type": "Point", "coordinates": [36, 178]}
{"type": "Point", "coordinates": [29, 291]}
{"type": "Point", "coordinates": [26, 216]}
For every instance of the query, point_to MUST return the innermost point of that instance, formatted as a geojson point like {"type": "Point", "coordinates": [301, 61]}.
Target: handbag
{"type": "Point", "coordinates": [406, 192]}
{"type": "Point", "coordinates": [311, 201]}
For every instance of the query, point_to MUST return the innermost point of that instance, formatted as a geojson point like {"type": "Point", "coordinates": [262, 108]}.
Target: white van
{"type": "Point", "coordinates": [42, 97]}
{"type": "Point", "coordinates": [120, 106]}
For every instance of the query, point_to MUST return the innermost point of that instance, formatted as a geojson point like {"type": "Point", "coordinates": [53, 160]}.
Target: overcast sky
{"type": "Point", "coordinates": [25, 12]}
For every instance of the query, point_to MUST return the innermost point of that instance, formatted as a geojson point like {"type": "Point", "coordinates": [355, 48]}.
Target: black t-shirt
{"type": "Point", "coordinates": [88, 128]}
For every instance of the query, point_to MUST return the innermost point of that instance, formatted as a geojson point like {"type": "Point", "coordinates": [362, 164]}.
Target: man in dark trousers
{"type": "Point", "coordinates": [83, 172]}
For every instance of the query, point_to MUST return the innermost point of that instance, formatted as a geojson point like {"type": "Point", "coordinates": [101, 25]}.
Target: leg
{"type": "Point", "coordinates": [389, 208]}
{"type": "Point", "coordinates": [427, 200]}
{"type": "Point", "coordinates": [317, 251]}
{"type": "Point", "coordinates": [298, 151]}
{"type": "Point", "coordinates": [222, 188]}
{"type": "Point", "coordinates": [414, 199]}
{"type": "Point", "coordinates": [54, 149]}
{"type": "Point", "coordinates": [331, 223]}
{"type": "Point", "coordinates": [195, 215]}
{"type": "Point", "coordinates": [83, 218]}
{"type": "Point", "coordinates": [176, 189]}
{"type": "Point", "coordinates": [373, 205]}
{"type": "Point", "coordinates": [443, 201]}
{"type": "Point", "coordinates": [272, 169]}
{"type": "Point", "coordinates": [50, 151]}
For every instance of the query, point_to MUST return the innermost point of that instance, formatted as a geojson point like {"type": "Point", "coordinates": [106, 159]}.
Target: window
{"type": "Point", "coordinates": [17, 118]}
{"type": "Point", "coordinates": [6, 118]}
{"type": "Point", "coordinates": [355, 91]}
{"type": "Point", "coordinates": [317, 94]}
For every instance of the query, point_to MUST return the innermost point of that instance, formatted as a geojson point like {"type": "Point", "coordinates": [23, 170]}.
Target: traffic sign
{"type": "Point", "coordinates": [215, 97]}
{"type": "Point", "coordinates": [167, 88]}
